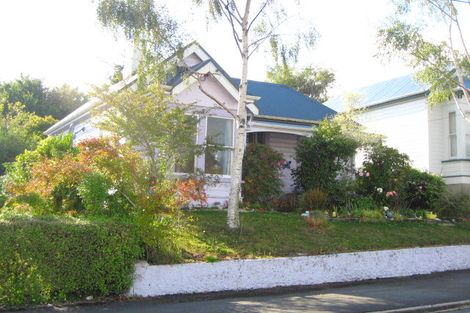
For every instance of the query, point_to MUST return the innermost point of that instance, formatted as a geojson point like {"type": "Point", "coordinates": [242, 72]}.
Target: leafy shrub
{"type": "Point", "coordinates": [261, 173]}
{"type": "Point", "coordinates": [286, 203]}
{"type": "Point", "coordinates": [368, 215]}
{"type": "Point", "coordinates": [314, 199]}
{"type": "Point", "coordinates": [321, 157]}
{"type": "Point", "coordinates": [192, 189]}
{"type": "Point", "coordinates": [52, 147]}
{"type": "Point", "coordinates": [94, 190]}
{"type": "Point", "coordinates": [102, 177]}
{"type": "Point", "coordinates": [382, 171]}
{"type": "Point", "coordinates": [44, 260]}
{"type": "Point", "coordinates": [453, 205]}
{"type": "Point", "coordinates": [94, 178]}
{"type": "Point", "coordinates": [364, 203]}
{"type": "Point", "coordinates": [316, 219]}
{"type": "Point", "coordinates": [421, 190]}
{"type": "Point", "coordinates": [343, 192]}
{"type": "Point", "coordinates": [3, 195]}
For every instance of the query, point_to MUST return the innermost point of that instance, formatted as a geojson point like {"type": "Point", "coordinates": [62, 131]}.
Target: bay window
{"type": "Point", "coordinates": [219, 134]}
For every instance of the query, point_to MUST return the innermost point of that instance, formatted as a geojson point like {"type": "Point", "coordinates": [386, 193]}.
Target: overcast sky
{"type": "Point", "coordinates": [60, 41]}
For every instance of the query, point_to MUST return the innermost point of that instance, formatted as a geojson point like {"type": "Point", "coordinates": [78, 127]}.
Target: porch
{"type": "Point", "coordinates": [280, 136]}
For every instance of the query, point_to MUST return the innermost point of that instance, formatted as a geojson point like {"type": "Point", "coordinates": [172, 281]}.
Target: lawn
{"type": "Point", "coordinates": [281, 234]}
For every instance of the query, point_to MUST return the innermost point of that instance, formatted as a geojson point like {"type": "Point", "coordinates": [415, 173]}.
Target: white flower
{"type": "Point", "coordinates": [385, 208]}
{"type": "Point", "coordinates": [380, 190]}
{"type": "Point", "coordinates": [112, 191]}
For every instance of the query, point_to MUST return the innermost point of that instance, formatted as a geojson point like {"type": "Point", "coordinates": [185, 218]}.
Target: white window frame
{"type": "Point", "coordinates": [231, 148]}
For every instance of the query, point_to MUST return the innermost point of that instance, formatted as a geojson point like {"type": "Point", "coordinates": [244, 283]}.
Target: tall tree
{"type": "Point", "coordinates": [146, 119]}
{"type": "Point", "coordinates": [38, 99]}
{"type": "Point", "coordinates": [312, 82]}
{"type": "Point", "coordinates": [149, 27]}
{"type": "Point", "coordinates": [444, 65]}
{"type": "Point", "coordinates": [252, 24]}
{"type": "Point", "coordinates": [19, 130]}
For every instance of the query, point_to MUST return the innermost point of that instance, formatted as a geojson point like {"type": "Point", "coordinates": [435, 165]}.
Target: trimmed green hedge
{"type": "Point", "coordinates": [44, 260]}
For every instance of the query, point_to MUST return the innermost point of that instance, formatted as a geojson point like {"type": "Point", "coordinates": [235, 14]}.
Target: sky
{"type": "Point", "coordinates": [61, 41]}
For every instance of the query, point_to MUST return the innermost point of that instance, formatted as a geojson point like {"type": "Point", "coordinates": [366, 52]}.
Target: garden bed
{"type": "Point", "coordinates": [287, 234]}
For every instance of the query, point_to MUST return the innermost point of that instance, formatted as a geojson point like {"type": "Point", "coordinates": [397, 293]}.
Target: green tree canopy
{"type": "Point", "coordinates": [443, 64]}
{"type": "Point", "coordinates": [310, 81]}
{"type": "Point", "coordinates": [163, 132]}
{"type": "Point", "coordinates": [323, 156]}
{"type": "Point", "coordinates": [19, 130]}
{"type": "Point", "coordinates": [38, 99]}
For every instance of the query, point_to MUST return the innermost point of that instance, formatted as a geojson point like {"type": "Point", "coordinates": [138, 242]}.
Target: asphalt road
{"type": "Point", "coordinates": [370, 296]}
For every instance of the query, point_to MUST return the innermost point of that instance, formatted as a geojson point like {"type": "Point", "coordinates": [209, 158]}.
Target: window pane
{"type": "Point", "coordinates": [453, 145]}
{"type": "Point", "coordinates": [218, 162]}
{"type": "Point", "coordinates": [220, 131]}
{"type": "Point", "coordinates": [452, 123]}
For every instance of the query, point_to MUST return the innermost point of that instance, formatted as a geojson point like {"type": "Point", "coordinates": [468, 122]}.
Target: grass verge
{"type": "Point", "coordinates": [280, 234]}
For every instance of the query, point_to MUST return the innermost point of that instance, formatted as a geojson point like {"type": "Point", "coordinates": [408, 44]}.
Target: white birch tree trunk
{"type": "Point", "coordinates": [233, 215]}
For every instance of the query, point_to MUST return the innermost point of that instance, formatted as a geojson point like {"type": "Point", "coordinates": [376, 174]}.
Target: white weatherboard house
{"type": "Point", "coordinates": [437, 139]}
{"type": "Point", "coordinates": [278, 116]}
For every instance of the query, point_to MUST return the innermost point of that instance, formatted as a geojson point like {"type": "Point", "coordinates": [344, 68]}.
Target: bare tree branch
{"type": "Point", "coordinates": [263, 6]}
{"type": "Point", "coordinates": [236, 10]}
{"type": "Point", "coordinates": [217, 101]}
{"type": "Point", "coordinates": [235, 34]}
{"type": "Point", "coordinates": [462, 39]}
{"type": "Point", "coordinates": [460, 74]}
{"type": "Point", "coordinates": [230, 12]}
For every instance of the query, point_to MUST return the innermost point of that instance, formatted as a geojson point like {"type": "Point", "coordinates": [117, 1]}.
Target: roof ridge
{"type": "Point", "coordinates": [263, 82]}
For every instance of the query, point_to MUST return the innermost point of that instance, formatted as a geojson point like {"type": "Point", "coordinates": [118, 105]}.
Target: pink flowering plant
{"type": "Point", "coordinates": [381, 173]}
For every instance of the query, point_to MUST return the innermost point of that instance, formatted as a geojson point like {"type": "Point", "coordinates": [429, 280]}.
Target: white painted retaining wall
{"type": "Point", "coordinates": [160, 280]}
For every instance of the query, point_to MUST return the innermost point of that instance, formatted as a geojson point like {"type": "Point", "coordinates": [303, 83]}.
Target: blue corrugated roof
{"type": "Point", "coordinates": [282, 101]}
{"type": "Point", "coordinates": [393, 89]}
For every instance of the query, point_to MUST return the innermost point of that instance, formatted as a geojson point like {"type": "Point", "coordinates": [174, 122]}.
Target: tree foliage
{"type": "Point", "coordinates": [323, 156]}
{"type": "Point", "coordinates": [153, 32]}
{"type": "Point", "coordinates": [312, 82]}
{"type": "Point", "coordinates": [153, 122]}
{"type": "Point", "coordinates": [56, 102]}
{"type": "Point", "coordinates": [252, 23]}
{"type": "Point", "coordinates": [261, 173]}
{"type": "Point", "coordinates": [103, 177]}
{"type": "Point", "coordinates": [443, 65]}
{"type": "Point", "coordinates": [382, 171]}
{"type": "Point", "coordinates": [19, 130]}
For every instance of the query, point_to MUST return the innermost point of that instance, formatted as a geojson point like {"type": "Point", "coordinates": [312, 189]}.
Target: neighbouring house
{"type": "Point", "coordinates": [278, 117]}
{"type": "Point", "coordinates": [437, 139]}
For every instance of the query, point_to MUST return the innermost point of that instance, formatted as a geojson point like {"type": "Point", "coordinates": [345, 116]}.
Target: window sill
{"type": "Point", "coordinates": [456, 160]}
